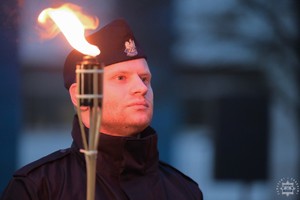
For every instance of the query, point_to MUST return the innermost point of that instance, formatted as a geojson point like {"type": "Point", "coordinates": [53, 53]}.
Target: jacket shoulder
{"type": "Point", "coordinates": [182, 182]}
{"type": "Point", "coordinates": [57, 155]}
{"type": "Point", "coordinates": [172, 169]}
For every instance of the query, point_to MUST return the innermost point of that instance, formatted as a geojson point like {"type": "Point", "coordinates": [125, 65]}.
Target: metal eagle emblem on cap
{"type": "Point", "coordinates": [130, 48]}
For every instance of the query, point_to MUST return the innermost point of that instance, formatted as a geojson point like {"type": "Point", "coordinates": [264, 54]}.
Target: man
{"type": "Point", "coordinates": [128, 165]}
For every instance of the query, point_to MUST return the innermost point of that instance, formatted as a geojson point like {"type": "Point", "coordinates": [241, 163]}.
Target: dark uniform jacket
{"type": "Point", "coordinates": [127, 168]}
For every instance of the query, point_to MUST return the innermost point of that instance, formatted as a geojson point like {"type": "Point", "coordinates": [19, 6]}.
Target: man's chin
{"type": "Point", "coordinates": [141, 123]}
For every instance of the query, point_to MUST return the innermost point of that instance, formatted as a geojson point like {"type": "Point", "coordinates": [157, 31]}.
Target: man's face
{"type": "Point", "coordinates": [127, 98]}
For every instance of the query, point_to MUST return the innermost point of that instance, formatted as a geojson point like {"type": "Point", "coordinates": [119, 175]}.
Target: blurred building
{"type": "Point", "coordinates": [241, 62]}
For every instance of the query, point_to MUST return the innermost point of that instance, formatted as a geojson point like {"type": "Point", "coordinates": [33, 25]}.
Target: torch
{"type": "Point", "coordinates": [68, 18]}
{"type": "Point", "coordinates": [89, 93]}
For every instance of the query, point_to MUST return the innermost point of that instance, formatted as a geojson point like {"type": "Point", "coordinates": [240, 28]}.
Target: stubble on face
{"type": "Point", "coordinates": [128, 98]}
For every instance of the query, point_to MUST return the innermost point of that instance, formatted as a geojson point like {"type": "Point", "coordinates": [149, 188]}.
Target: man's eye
{"type": "Point", "coordinates": [145, 79]}
{"type": "Point", "coordinates": [121, 78]}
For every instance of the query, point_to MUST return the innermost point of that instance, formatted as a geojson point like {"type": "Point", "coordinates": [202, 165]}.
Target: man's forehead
{"type": "Point", "coordinates": [138, 65]}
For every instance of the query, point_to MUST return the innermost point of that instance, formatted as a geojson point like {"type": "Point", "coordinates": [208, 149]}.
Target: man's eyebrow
{"type": "Point", "coordinates": [145, 74]}
{"type": "Point", "coordinates": [130, 72]}
{"type": "Point", "coordinates": [120, 72]}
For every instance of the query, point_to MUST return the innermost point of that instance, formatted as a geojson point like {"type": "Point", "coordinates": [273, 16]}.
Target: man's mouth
{"type": "Point", "coordinates": [139, 104]}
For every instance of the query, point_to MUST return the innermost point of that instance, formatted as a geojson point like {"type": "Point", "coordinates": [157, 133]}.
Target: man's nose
{"type": "Point", "coordinates": [138, 86]}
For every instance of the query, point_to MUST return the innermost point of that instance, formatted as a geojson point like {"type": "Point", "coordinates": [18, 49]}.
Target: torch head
{"type": "Point", "coordinates": [116, 42]}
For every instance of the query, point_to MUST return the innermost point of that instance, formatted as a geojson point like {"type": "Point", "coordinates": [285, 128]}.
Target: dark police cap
{"type": "Point", "coordinates": [116, 43]}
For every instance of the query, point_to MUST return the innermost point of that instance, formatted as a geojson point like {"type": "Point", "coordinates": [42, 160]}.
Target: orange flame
{"type": "Point", "coordinates": [70, 20]}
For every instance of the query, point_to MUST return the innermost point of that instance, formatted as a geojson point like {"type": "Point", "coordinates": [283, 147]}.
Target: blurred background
{"type": "Point", "coordinates": [226, 83]}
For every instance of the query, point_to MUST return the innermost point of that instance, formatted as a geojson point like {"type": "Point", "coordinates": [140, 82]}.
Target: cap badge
{"type": "Point", "coordinates": [130, 48]}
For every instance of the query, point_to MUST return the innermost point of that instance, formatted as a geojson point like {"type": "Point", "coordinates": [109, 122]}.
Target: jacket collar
{"type": "Point", "coordinates": [123, 156]}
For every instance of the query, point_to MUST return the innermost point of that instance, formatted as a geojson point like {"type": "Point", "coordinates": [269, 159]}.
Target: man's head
{"type": "Point", "coordinates": [127, 93]}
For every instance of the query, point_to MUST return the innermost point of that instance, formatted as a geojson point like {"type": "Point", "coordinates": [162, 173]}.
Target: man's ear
{"type": "Point", "coordinates": [73, 92]}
